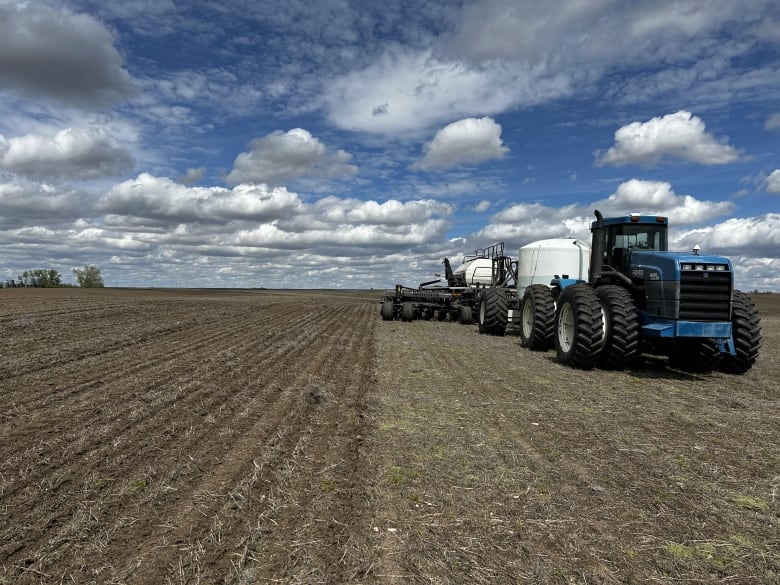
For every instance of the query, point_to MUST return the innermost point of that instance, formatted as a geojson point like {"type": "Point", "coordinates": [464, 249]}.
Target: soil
{"type": "Point", "coordinates": [207, 436]}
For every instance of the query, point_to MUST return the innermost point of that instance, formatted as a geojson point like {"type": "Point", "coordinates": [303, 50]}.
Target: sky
{"type": "Point", "coordinates": [352, 144]}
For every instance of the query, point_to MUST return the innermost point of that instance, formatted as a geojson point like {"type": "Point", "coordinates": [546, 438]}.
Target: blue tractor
{"type": "Point", "coordinates": [642, 298]}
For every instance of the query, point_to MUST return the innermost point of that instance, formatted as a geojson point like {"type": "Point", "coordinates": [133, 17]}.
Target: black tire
{"type": "Point", "coordinates": [387, 311]}
{"type": "Point", "coordinates": [696, 355]}
{"type": "Point", "coordinates": [579, 327]}
{"type": "Point", "coordinates": [407, 312]}
{"type": "Point", "coordinates": [746, 333]}
{"type": "Point", "coordinates": [465, 316]}
{"type": "Point", "coordinates": [621, 328]}
{"type": "Point", "coordinates": [494, 311]}
{"type": "Point", "coordinates": [441, 314]}
{"type": "Point", "coordinates": [537, 321]}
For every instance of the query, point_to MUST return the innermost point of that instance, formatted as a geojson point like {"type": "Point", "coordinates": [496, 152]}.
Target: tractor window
{"type": "Point", "coordinates": [637, 237]}
{"type": "Point", "coordinates": [626, 238]}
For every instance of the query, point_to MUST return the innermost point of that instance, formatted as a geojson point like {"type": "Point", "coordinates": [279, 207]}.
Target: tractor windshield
{"type": "Point", "coordinates": [623, 239]}
{"type": "Point", "coordinates": [637, 237]}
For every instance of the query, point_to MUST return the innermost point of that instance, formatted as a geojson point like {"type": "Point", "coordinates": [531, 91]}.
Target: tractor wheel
{"type": "Point", "coordinates": [746, 332]}
{"type": "Point", "coordinates": [579, 327]}
{"type": "Point", "coordinates": [537, 318]}
{"type": "Point", "coordinates": [621, 328]}
{"type": "Point", "coordinates": [387, 311]}
{"type": "Point", "coordinates": [696, 355]}
{"type": "Point", "coordinates": [407, 312]}
{"type": "Point", "coordinates": [465, 315]}
{"type": "Point", "coordinates": [493, 311]}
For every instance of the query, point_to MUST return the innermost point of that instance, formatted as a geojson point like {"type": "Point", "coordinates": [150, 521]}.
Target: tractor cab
{"type": "Point", "coordinates": [631, 233]}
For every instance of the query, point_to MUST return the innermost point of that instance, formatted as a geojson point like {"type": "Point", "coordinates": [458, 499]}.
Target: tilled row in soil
{"type": "Point", "coordinates": [294, 437]}
{"type": "Point", "coordinates": [150, 439]}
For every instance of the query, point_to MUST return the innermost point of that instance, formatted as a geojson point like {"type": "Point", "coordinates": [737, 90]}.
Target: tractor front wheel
{"type": "Point", "coordinates": [537, 318]}
{"type": "Point", "coordinates": [579, 327]}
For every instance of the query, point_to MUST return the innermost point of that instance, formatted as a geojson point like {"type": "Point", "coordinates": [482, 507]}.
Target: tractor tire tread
{"type": "Point", "coordinates": [746, 332]}
{"type": "Point", "coordinates": [387, 311]}
{"type": "Point", "coordinates": [587, 334]}
{"type": "Point", "coordinates": [621, 340]}
{"type": "Point", "coordinates": [496, 311]}
{"type": "Point", "coordinates": [542, 333]}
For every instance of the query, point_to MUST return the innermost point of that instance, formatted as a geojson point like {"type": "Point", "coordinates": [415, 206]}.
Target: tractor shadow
{"type": "Point", "coordinates": [650, 367]}
{"type": "Point", "coordinates": [658, 368]}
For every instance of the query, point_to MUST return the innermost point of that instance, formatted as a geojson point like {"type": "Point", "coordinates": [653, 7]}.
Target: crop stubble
{"type": "Point", "coordinates": [294, 437]}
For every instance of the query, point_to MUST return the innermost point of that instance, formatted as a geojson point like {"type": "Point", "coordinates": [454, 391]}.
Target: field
{"type": "Point", "coordinates": [174, 436]}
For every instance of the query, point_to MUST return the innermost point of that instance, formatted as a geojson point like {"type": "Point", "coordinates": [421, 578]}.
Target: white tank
{"type": "Point", "coordinates": [476, 271]}
{"type": "Point", "coordinates": [541, 261]}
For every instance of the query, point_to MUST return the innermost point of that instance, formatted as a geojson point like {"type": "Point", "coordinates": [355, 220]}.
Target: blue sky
{"type": "Point", "coordinates": [338, 144]}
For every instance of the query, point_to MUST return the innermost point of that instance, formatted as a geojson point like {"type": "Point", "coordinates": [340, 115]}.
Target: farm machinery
{"type": "Point", "coordinates": [458, 300]}
{"type": "Point", "coordinates": [638, 297]}
{"type": "Point", "coordinates": [541, 268]}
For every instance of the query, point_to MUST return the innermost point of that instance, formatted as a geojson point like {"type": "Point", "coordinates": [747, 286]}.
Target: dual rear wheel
{"type": "Point", "coordinates": [579, 327]}
{"type": "Point", "coordinates": [596, 327]}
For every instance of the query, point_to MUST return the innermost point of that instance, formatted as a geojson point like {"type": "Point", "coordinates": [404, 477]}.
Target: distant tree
{"type": "Point", "coordinates": [48, 278]}
{"type": "Point", "coordinates": [89, 277]}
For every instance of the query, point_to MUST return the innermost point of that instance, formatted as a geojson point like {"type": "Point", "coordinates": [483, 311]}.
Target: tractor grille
{"type": "Point", "coordinates": [705, 295]}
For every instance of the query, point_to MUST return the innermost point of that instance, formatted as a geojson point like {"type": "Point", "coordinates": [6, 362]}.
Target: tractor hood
{"type": "Point", "coordinates": [670, 265]}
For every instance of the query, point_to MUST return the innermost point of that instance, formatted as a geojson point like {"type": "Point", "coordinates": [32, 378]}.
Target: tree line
{"type": "Point", "coordinates": [87, 277]}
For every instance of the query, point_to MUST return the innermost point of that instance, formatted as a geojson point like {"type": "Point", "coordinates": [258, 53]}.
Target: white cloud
{"type": "Point", "coordinates": [159, 198]}
{"type": "Point", "coordinates": [59, 54]}
{"type": "Point", "coordinates": [752, 244]}
{"type": "Point", "coordinates": [30, 204]}
{"type": "Point", "coordinates": [353, 236]}
{"type": "Point", "coordinates": [333, 210]}
{"type": "Point", "coordinates": [73, 153]}
{"type": "Point", "coordinates": [501, 55]}
{"type": "Point", "coordinates": [658, 198]}
{"type": "Point", "coordinates": [679, 135]}
{"type": "Point", "coordinates": [406, 92]}
{"type": "Point", "coordinates": [482, 206]}
{"type": "Point", "coordinates": [525, 222]}
{"type": "Point", "coordinates": [756, 273]}
{"type": "Point", "coordinates": [455, 184]}
{"type": "Point", "coordinates": [772, 122]}
{"type": "Point", "coordinates": [284, 156]}
{"type": "Point", "coordinates": [160, 211]}
{"type": "Point", "coordinates": [597, 34]}
{"type": "Point", "coordinates": [218, 88]}
{"type": "Point", "coordinates": [503, 29]}
{"type": "Point", "coordinates": [465, 142]}
{"type": "Point", "coordinates": [773, 182]}
{"type": "Point", "coordinates": [192, 176]}
{"type": "Point", "coordinates": [758, 235]}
